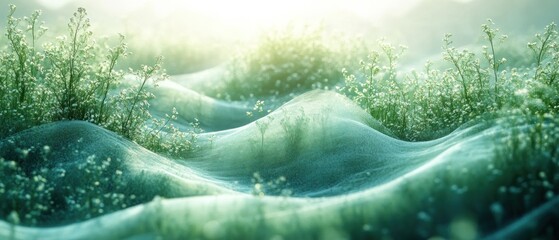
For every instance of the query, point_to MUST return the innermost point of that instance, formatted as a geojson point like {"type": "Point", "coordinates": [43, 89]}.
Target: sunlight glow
{"type": "Point", "coordinates": [53, 4]}
{"type": "Point", "coordinates": [274, 12]}
{"type": "Point", "coordinates": [251, 13]}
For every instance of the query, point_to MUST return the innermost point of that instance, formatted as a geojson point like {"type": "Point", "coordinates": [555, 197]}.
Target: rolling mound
{"type": "Point", "coordinates": [316, 167]}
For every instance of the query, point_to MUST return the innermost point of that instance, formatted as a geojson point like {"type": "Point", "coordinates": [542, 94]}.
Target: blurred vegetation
{"type": "Point", "coordinates": [286, 62]}
{"type": "Point", "coordinates": [37, 191]}
{"type": "Point", "coordinates": [182, 55]}
{"type": "Point", "coordinates": [487, 197]}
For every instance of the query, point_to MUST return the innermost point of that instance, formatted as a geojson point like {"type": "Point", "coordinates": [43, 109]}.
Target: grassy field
{"type": "Point", "coordinates": [304, 134]}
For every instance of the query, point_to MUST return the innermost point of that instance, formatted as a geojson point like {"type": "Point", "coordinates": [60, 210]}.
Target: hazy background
{"type": "Point", "coordinates": [209, 32]}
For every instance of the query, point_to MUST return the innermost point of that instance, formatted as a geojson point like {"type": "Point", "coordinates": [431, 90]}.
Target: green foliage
{"type": "Point", "coordinates": [74, 77]}
{"type": "Point", "coordinates": [545, 50]}
{"type": "Point", "coordinates": [376, 81]}
{"type": "Point", "coordinates": [47, 194]}
{"type": "Point", "coordinates": [20, 72]}
{"type": "Point", "coordinates": [70, 75]}
{"type": "Point", "coordinates": [262, 187]}
{"type": "Point", "coordinates": [29, 204]}
{"type": "Point", "coordinates": [428, 104]}
{"type": "Point", "coordinates": [109, 77]}
{"type": "Point", "coordinates": [283, 63]}
{"type": "Point", "coordinates": [294, 129]}
{"type": "Point", "coordinates": [490, 35]}
{"type": "Point", "coordinates": [162, 136]}
{"type": "Point", "coordinates": [262, 125]}
{"type": "Point", "coordinates": [132, 103]}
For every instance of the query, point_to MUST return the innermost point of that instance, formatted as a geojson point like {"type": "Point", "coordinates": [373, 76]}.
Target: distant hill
{"type": "Point", "coordinates": [423, 28]}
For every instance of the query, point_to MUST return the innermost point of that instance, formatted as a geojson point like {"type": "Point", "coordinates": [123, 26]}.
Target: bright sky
{"type": "Point", "coordinates": [240, 16]}
{"type": "Point", "coordinates": [256, 11]}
